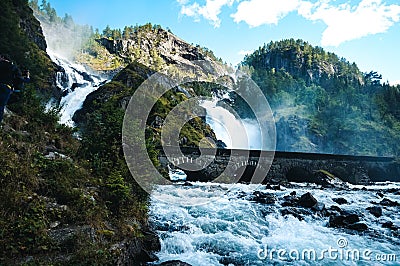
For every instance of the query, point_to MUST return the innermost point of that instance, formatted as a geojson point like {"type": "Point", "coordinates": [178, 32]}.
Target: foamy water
{"type": "Point", "coordinates": [74, 98]}
{"type": "Point", "coordinates": [215, 224]}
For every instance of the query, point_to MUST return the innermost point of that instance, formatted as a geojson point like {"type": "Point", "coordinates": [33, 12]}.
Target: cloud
{"type": "Point", "coordinates": [346, 22]}
{"type": "Point", "coordinates": [210, 11]}
{"type": "Point", "coordinates": [258, 12]}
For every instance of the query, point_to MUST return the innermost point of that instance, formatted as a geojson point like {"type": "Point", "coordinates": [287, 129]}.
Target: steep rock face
{"type": "Point", "coordinates": [158, 48]}
{"type": "Point", "coordinates": [171, 48]}
{"type": "Point", "coordinates": [31, 26]}
{"type": "Point", "coordinates": [22, 39]}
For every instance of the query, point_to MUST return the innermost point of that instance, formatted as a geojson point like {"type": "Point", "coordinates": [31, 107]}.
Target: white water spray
{"type": "Point", "coordinates": [226, 125]}
{"type": "Point", "coordinates": [76, 83]}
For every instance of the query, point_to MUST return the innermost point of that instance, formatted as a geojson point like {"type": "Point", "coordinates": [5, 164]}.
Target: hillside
{"type": "Point", "coordinates": [58, 205]}
{"type": "Point", "coordinates": [23, 40]}
{"type": "Point", "coordinates": [323, 103]}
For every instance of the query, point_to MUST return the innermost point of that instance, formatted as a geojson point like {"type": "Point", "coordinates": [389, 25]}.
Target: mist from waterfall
{"type": "Point", "coordinates": [227, 127]}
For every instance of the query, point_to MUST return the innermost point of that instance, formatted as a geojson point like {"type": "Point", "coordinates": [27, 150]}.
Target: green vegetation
{"type": "Point", "coordinates": [346, 111]}
{"type": "Point", "coordinates": [24, 44]}
{"type": "Point", "coordinates": [62, 201]}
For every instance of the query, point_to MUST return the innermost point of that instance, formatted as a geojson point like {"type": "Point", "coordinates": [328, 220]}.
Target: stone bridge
{"type": "Point", "coordinates": [256, 166]}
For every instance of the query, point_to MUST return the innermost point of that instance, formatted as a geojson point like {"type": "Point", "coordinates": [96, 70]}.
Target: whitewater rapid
{"type": "Point", "coordinates": [219, 225]}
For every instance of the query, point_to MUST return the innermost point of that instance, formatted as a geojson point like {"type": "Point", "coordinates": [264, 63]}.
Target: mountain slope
{"type": "Point", "coordinates": [22, 39]}
{"type": "Point", "coordinates": [57, 206]}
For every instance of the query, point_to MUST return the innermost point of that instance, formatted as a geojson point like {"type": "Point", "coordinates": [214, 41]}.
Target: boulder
{"type": "Point", "coordinates": [389, 225]}
{"type": "Point", "coordinates": [332, 211]}
{"type": "Point", "coordinates": [293, 212]}
{"type": "Point", "coordinates": [375, 210]}
{"type": "Point", "coordinates": [340, 201]}
{"type": "Point", "coordinates": [174, 263]}
{"type": "Point", "coordinates": [358, 227]}
{"type": "Point", "coordinates": [389, 203]}
{"type": "Point", "coordinates": [307, 200]}
{"type": "Point", "coordinates": [290, 201]}
{"type": "Point", "coordinates": [350, 221]}
{"type": "Point", "coordinates": [261, 197]}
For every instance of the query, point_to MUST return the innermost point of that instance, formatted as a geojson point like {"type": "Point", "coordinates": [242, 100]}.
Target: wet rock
{"type": "Point", "coordinates": [389, 225]}
{"type": "Point", "coordinates": [340, 201]}
{"type": "Point", "coordinates": [380, 194]}
{"type": "Point", "coordinates": [293, 212]}
{"type": "Point", "coordinates": [358, 227]}
{"type": "Point", "coordinates": [174, 263]}
{"type": "Point", "coordinates": [261, 197]}
{"type": "Point", "coordinates": [376, 211]}
{"type": "Point", "coordinates": [389, 203]}
{"type": "Point", "coordinates": [187, 184]}
{"type": "Point", "coordinates": [290, 201]}
{"type": "Point", "coordinates": [318, 207]}
{"type": "Point", "coordinates": [307, 200]}
{"type": "Point", "coordinates": [343, 221]}
{"type": "Point", "coordinates": [332, 211]}
{"type": "Point", "coordinates": [293, 193]}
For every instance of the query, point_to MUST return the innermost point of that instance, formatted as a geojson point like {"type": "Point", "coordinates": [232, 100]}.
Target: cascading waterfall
{"type": "Point", "coordinates": [76, 83]}
{"type": "Point", "coordinates": [225, 125]}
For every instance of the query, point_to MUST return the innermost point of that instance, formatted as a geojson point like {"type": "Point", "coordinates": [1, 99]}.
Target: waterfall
{"type": "Point", "coordinates": [76, 83]}
{"type": "Point", "coordinates": [225, 125]}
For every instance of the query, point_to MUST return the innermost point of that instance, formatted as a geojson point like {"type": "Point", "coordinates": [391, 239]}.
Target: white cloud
{"type": "Point", "coordinates": [259, 12]}
{"type": "Point", "coordinates": [209, 11]}
{"type": "Point", "coordinates": [345, 22]}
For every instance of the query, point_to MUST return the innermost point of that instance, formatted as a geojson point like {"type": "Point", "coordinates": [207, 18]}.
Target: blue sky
{"type": "Point", "coordinates": [366, 32]}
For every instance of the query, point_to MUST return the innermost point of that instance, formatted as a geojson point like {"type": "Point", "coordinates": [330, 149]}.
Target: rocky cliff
{"type": "Point", "coordinates": [22, 39]}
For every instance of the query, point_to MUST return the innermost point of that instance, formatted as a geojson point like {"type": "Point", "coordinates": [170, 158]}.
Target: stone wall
{"type": "Point", "coordinates": [286, 166]}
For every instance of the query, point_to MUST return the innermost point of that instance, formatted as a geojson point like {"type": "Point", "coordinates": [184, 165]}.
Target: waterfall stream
{"type": "Point", "coordinates": [75, 82]}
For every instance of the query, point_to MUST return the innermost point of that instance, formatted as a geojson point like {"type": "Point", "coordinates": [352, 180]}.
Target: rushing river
{"type": "Point", "coordinates": [223, 225]}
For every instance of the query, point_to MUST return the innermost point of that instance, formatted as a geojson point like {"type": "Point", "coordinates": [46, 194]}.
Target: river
{"type": "Point", "coordinates": [222, 225]}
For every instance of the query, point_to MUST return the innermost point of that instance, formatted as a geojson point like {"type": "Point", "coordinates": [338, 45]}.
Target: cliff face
{"type": "Point", "coordinates": [144, 45]}
{"type": "Point", "coordinates": [31, 26]}
{"type": "Point", "coordinates": [22, 39]}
